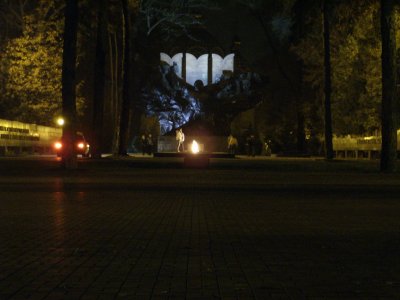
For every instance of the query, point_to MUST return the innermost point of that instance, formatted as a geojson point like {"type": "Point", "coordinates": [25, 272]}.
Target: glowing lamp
{"type": "Point", "coordinates": [58, 145]}
{"type": "Point", "coordinates": [195, 147]}
{"type": "Point", "coordinates": [60, 121]}
{"type": "Point", "coordinates": [81, 145]}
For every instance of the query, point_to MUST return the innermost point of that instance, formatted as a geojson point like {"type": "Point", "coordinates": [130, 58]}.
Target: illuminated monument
{"type": "Point", "coordinates": [200, 57]}
{"type": "Point", "coordinates": [201, 87]}
{"type": "Point", "coordinates": [208, 68]}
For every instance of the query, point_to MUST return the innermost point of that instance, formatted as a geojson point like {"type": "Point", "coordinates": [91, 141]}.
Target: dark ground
{"type": "Point", "coordinates": [143, 228]}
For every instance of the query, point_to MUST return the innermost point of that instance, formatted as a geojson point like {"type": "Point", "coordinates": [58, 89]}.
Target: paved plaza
{"type": "Point", "coordinates": [147, 228]}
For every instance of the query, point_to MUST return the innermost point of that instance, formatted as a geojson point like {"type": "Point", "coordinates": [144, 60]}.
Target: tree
{"type": "Point", "coordinates": [31, 67]}
{"type": "Point", "coordinates": [299, 10]}
{"type": "Point", "coordinates": [272, 16]}
{"type": "Point", "coordinates": [125, 108]}
{"type": "Point", "coordinates": [328, 84]}
{"type": "Point", "coordinates": [69, 160]}
{"type": "Point", "coordinates": [12, 15]}
{"type": "Point", "coordinates": [355, 54]}
{"type": "Point", "coordinates": [149, 17]}
{"type": "Point", "coordinates": [389, 82]}
{"type": "Point", "coordinates": [33, 61]}
{"type": "Point", "coordinates": [99, 80]}
{"type": "Point", "coordinates": [356, 49]}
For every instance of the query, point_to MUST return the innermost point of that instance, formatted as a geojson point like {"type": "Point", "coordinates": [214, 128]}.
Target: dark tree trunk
{"type": "Point", "coordinates": [99, 80]}
{"type": "Point", "coordinates": [125, 107]}
{"type": "Point", "coordinates": [301, 134]}
{"type": "Point", "coordinates": [69, 160]}
{"type": "Point", "coordinates": [299, 10]}
{"type": "Point", "coordinates": [328, 82]}
{"type": "Point", "coordinates": [137, 108]}
{"type": "Point", "coordinates": [115, 95]}
{"type": "Point", "coordinates": [296, 92]}
{"type": "Point", "coordinates": [389, 80]}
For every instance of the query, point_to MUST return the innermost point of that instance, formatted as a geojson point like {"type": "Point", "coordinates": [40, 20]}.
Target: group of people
{"type": "Point", "coordinates": [232, 144]}
{"type": "Point", "coordinates": [147, 144]}
{"type": "Point", "coordinates": [252, 145]}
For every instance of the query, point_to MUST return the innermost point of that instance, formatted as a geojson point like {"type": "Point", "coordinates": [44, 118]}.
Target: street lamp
{"type": "Point", "coordinates": [60, 121]}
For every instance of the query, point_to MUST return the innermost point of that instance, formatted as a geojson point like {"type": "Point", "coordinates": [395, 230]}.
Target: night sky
{"type": "Point", "coordinates": [231, 20]}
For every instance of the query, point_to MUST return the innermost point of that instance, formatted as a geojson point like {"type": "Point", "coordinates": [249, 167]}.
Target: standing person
{"type": "Point", "coordinates": [143, 142]}
{"type": "Point", "coordinates": [267, 147]}
{"type": "Point", "coordinates": [248, 145]}
{"type": "Point", "coordinates": [251, 145]}
{"type": "Point", "coordinates": [232, 144]}
{"type": "Point", "coordinates": [150, 144]}
{"type": "Point", "coordinates": [180, 137]}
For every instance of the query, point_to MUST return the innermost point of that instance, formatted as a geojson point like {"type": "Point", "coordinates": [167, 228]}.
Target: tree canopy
{"type": "Point", "coordinates": [32, 65]}
{"type": "Point", "coordinates": [356, 73]}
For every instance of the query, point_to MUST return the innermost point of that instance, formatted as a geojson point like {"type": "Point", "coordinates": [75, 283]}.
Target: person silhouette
{"type": "Point", "coordinates": [150, 144]}
{"type": "Point", "coordinates": [143, 142]}
{"type": "Point", "coordinates": [232, 144]}
{"type": "Point", "coordinates": [180, 137]}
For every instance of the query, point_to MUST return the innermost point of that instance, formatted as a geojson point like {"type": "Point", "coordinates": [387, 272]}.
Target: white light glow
{"type": "Point", "coordinates": [216, 67]}
{"type": "Point", "coordinates": [60, 121]}
{"type": "Point", "coordinates": [196, 68]}
{"type": "Point", "coordinates": [227, 63]}
{"type": "Point", "coordinates": [195, 147]}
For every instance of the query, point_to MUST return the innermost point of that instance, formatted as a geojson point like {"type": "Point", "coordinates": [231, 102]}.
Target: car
{"type": "Point", "coordinates": [82, 147]}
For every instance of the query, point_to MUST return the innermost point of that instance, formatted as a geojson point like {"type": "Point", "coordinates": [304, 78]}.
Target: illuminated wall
{"type": "Point", "coordinates": [221, 64]}
{"type": "Point", "coordinates": [197, 68]}
{"type": "Point", "coordinates": [176, 61]}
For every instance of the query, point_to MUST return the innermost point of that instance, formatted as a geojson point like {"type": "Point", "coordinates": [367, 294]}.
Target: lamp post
{"type": "Point", "coordinates": [60, 121]}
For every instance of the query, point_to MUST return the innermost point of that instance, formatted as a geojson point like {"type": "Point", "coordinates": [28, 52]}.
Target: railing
{"type": "Point", "coordinates": [359, 147]}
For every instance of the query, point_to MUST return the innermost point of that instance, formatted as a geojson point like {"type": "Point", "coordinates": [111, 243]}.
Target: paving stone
{"type": "Point", "coordinates": [168, 233]}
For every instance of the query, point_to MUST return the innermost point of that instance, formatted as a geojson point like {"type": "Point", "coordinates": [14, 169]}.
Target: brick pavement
{"type": "Point", "coordinates": [226, 234]}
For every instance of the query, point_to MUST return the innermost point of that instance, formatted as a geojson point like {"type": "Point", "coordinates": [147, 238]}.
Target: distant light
{"type": "Point", "coordinates": [195, 147]}
{"type": "Point", "coordinates": [58, 145]}
{"type": "Point", "coordinates": [60, 121]}
{"type": "Point", "coordinates": [81, 145]}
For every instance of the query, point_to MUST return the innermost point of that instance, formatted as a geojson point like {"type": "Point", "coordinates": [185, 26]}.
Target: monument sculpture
{"type": "Point", "coordinates": [200, 88]}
